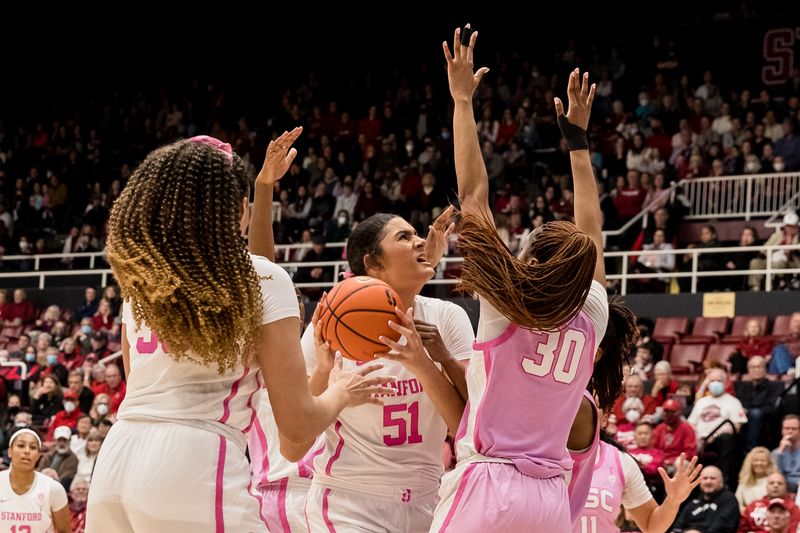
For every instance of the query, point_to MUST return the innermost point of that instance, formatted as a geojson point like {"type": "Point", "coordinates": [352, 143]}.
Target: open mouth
{"type": "Point", "coordinates": [421, 259]}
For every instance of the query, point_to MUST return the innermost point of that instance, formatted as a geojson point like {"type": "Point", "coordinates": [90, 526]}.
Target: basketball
{"type": "Point", "coordinates": [355, 314]}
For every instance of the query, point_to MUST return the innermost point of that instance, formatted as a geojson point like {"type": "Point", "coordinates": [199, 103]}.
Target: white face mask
{"type": "Point", "coordinates": [102, 409]}
{"type": "Point", "coordinates": [633, 416]}
{"type": "Point", "coordinates": [751, 167]}
{"type": "Point", "coordinates": [342, 221]}
{"type": "Point", "coordinates": [69, 406]}
{"type": "Point", "coordinates": [778, 166]}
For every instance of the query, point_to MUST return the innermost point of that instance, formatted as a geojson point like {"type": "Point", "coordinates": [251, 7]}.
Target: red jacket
{"type": "Point", "coordinates": [116, 395]}
{"type": "Point", "coordinates": [754, 516]}
{"type": "Point", "coordinates": [649, 402]}
{"type": "Point", "coordinates": [61, 418]}
{"type": "Point", "coordinates": [649, 459]}
{"type": "Point", "coordinates": [674, 442]}
{"type": "Point", "coordinates": [750, 346]}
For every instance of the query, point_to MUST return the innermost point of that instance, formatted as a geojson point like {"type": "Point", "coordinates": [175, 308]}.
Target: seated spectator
{"type": "Point", "coordinates": [78, 496]}
{"type": "Point", "coordinates": [664, 387]}
{"type": "Point", "coordinates": [99, 346]}
{"type": "Point", "coordinates": [101, 408]}
{"type": "Point", "coordinates": [96, 378]}
{"type": "Point", "coordinates": [111, 295]}
{"type": "Point", "coordinates": [66, 417]}
{"type": "Point", "coordinates": [753, 343]}
{"type": "Point", "coordinates": [643, 363]}
{"type": "Point", "coordinates": [779, 517]}
{"type": "Point", "coordinates": [755, 516]}
{"type": "Point", "coordinates": [674, 436]}
{"type": "Point", "coordinates": [741, 260]}
{"type": "Point", "coordinates": [88, 456]}
{"type": "Point", "coordinates": [20, 311]}
{"type": "Point", "coordinates": [758, 396]}
{"type": "Point", "coordinates": [632, 409]}
{"type": "Point", "coordinates": [71, 354]}
{"type": "Point", "coordinates": [83, 337]}
{"type": "Point", "coordinates": [649, 457]}
{"type": "Point", "coordinates": [787, 454]}
{"type": "Point", "coordinates": [54, 367]}
{"type": "Point", "coordinates": [104, 320]}
{"type": "Point", "coordinates": [60, 458]}
{"type": "Point", "coordinates": [46, 400]}
{"type": "Point", "coordinates": [714, 509]}
{"type": "Point", "coordinates": [649, 263]}
{"type": "Point", "coordinates": [758, 465]}
{"type": "Point", "coordinates": [49, 318]}
{"type": "Point", "coordinates": [82, 431]}
{"type": "Point", "coordinates": [634, 388]}
{"type": "Point", "coordinates": [84, 393]}
{"type": "Point", "coordinates": [90, 303]}
{"type": "Point", "coordinates": [787, 349]}
{"type": "Point", "coordinates": [104, 426]}
{"type": "Point", "coordinates": [715, 418]}
{"type": "Point", "coordinates": [787, 234]}
{"type": "Point", "coordinates": [114, 387]}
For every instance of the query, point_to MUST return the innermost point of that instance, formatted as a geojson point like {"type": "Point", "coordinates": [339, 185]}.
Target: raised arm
{"type": "Point", "coordinates": [277, 161]}
{"type": "Point", "coordinates": [574, 124]}
{"type": "Point", "coordinates": [473, 181]}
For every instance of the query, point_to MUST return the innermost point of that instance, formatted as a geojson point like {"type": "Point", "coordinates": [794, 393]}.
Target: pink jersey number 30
{"type": "Point", "coordinates": [563, 365]}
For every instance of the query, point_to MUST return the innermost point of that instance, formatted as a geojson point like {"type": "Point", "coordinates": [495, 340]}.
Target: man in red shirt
{"type": "Point", "coordinates": [755, 516]}
{"type": "Point", "coordinates": [68, 416]}
{"type": "Point", "coordinates": [114, 387]}
{"type": "Point", "coordinates": [634, 388]}
{"type": "Point", "coordinates": [20, 311]}
{"type": "Point", "coordinates": [675, 435]}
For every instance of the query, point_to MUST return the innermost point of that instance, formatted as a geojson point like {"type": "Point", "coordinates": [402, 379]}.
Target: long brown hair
{"type": "Point", "coordinates": [175, 246]}
{"type": "Point", "coordinates": [544, 293]}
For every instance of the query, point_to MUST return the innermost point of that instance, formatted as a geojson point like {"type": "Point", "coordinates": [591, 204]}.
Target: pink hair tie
{"type": "Point", "coordinates": [347, 274]}
{"type": "Point", "coordinates": [214, 143]}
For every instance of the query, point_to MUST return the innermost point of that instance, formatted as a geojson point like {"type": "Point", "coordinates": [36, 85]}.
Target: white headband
{"type": "Point", "coordinates": [24, 431]}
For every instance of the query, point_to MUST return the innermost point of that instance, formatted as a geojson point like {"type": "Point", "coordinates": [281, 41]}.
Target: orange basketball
{"type": "Point", "coordinates": [355, 314]}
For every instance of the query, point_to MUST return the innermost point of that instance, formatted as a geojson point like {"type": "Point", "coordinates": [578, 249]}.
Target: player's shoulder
{"type": "Point", "coordinates": [436, 305]}
{"type": "Point", "coordinates": [268, 270]}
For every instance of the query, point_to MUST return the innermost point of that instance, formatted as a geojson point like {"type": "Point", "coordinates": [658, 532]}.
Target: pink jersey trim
{"type": "Point", "coordinates": [259, 500]}
{"type": "Point", "coordinates": [262, 440]}
{"type": "Point", "coordinates": [218, 512]}
{"type": "Point", "coordinates": [487, 366]}
{"type": "Point", "coordinates": [325, 511]}
{"type": "Point", "coordinates": [254, 415]}
{"type": "Point", "coordinates": [457, 499]}
{"type": "Point", "coordinates": [282, 506]}
{"type": "Point", "coordinates": [226, 408]}
{"type": "Point", "coordinates": [338, 451]}
{"type": "Point", "coordinates": [485, 345]}
{"type": "Point", "coordinates": [618, 464]}
{"type": "Point", "coordinates": [305, 467]}
{"type": "Point", "coordinates": [462, 427]}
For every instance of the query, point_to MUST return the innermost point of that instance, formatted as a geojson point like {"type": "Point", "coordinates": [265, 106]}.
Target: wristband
{"type": "Point", "coordinates": [575, 135]}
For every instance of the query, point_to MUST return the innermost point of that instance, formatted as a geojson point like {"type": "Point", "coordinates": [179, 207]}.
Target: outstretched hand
{"type": "Point", "coordinates": [439, 236]}
{"type": "Point", "coordinates": [580, 97]}
{"type": "Point", "coordinates": [684, 480]}
{"type": "Point", "coordinates": [280, 155]}
{"type": "Point", "coordinates": [463, 81]}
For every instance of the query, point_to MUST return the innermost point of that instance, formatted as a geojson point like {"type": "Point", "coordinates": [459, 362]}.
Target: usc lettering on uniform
{"type": "Point", "coordinates": [599, 498]}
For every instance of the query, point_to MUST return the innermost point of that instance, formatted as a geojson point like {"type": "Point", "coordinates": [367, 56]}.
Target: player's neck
{"type": "Point", "coordinates": [21, 480]}
{"type": "Point", "coordinates": [406, 299]}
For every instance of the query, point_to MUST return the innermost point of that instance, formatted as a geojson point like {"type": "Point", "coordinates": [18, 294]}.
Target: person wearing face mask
{"type": "Point", "coordinates": [66, 417]}
{"type": "Point", "coordinates": [708, 419]}
{"type": "Point", "coordinates": [60, 458]}
{"type": "Point", "coordinates": [778, 165]}
{"type": "Point", "coordinates": [632, 410]}
{"type": "Point", "coordinates": [54, 367]}
{"type": "Point", "coordinates": [675, 436]}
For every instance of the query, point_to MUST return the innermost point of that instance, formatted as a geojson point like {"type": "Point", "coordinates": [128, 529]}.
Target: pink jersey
{"type": "Point", "coordinates": [605, 496]}
{"type": "Point", "coordinates": [163, 389]}
{"type": "Point", "coordinates": [580, 480]}
{"type": "Point", "coordinates": [263, 443]}
{"type": "Point", "coordinates": [395, 449]}
{"type": "Point", "coordinates": [525, 388]}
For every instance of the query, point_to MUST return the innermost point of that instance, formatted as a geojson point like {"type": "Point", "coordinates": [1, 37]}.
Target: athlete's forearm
{"type": "Point", "coordinates": [443, 394]}
{"type": "Point", "coordinates": [318, 382]}
{"type": "Point", "coordinates": [457, 374]}
{"type": "Point", "coordinates": [261, 238]}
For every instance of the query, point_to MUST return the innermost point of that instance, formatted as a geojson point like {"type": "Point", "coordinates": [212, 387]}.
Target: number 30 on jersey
{"type": "Point", "coordinates": [563, 365]}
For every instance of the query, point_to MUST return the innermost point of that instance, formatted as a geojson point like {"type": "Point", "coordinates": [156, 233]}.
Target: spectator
{"type": "Point", "coordinates": [46, 400]}
{"type": "Point", "coordinates": [714, 510]}
{"type": "Point", "coordinates": [104, 426]}
{"type": "Point", "coordinates": [20, 311]}
{"type": "Point", "coordinates": [715, 418]}
{"type": "Point", "coordinates": [643, 363]}
{"type": "Point", "coordinates": [787, 454]}
{"type": "Point", "coordinates": [630, 199]}
{"type": "Point", "coordinates": [757, 467]}
{"type": "Point", "coordinates": [752, 344]}
{"type": "Point", "coordinates": [99, 346]}
{"type": "Point", "coordinates": [755, 516]}
{"type": "Point", "coordinates": [758, 396]}
{"type": "Point", "coordinates": [741, 260]}
{"type": "Point", "coordinates": [70, 354]}
{"type": "Point", "coordinates": [787, 234]}
{"type": "Point", "coordinates": [111, 294]}
{"type": "Point", "coordinates": [664, 387]}
{"type": "Point", "coordinates": [788, 146]}
{"type": "Point", "coordinates": [114, 387]}
{"type": "Point", "coordinates": [779, 517]}
{"type": "Point", "coordinates": [66, 417]}
{"type": "Point", "coordinates": [104, 319]}
{"type": "Point", "coordinates": [60, 458]}
{"type": "Point", "coordinates": [90, 303]}
{"type": "Point", "coordinates": [78, 496]}
{"type": "Point", "coordinates": [84, 393]}
{"type": "Point", "coordinates": [675, 436]}
{"type": "Point", "coordinates": [101, 408]}
{"type": "Point", "coordinates": [88, 456]}
{"type": "Point", "coordinates": [82, 430]}
{"type": "Point", "coordinates": [787, 349]}
{"type": "Point", "coordinates": [634, 388]}
{"type": "Point", "coordinates": [648, 457]}
{"type": "Point", "coordinates": [54, 367]}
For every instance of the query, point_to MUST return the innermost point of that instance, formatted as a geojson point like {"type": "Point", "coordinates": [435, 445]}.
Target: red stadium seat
{"type": "Point", "coordinates": [706, 330]}
{"type": "Point", "coordinates": [781, 325]}
{"type": "Point", "coordinates": [11, 332]}
{"type": "Point", "coordinates": [669, 330]}
{"type": "Point", "coordinates": [721, 353]}
{"type": "Point", "coordinates": [740, 324]}
{"type": "Point", "coordinates": [686, 358]}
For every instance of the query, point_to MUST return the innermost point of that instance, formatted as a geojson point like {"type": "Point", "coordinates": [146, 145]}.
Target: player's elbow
{"type": "Point", "coordinates": [294, 450]}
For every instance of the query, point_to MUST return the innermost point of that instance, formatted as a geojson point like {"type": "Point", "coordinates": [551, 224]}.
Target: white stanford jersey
{"type": "Point", "coordinates": [31, 512]}
{"type": "Point", "coordinates": [396, 447]}
{"type": "Point", "coordinates": [160, 388]}
{"type": "Point", "coordinates": [263, 442]}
